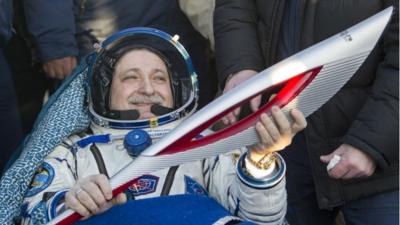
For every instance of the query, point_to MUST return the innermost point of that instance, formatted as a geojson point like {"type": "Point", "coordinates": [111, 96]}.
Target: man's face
{"type": "Point", "coordinates": [140, 80]}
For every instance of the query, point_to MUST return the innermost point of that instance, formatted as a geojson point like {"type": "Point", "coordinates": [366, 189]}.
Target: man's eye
{"type": "Point", "coordinates": [159, 78]}
{"type": "Point", "coordinates": [129, 77]}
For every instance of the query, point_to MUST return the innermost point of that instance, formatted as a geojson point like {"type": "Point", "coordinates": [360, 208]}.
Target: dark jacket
{"type": "Point", "coordinates": [5, 21]}
{"type": "Point", "coordinates": [61, 28]}
{"type": "Point", "coordinates": [364, 113]}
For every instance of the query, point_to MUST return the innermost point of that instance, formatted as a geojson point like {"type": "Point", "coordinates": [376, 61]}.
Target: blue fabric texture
{"type": "Point", "coordinates": [382, 209]}
{"type": "Point", "coordinates": [52, 28]}
{"type": "Point", "coordinates": [177, 210]}
{"type": "Point", "coordinates": [10, 122]}
{"type": "Point", "coordinates": [5, 21]}
{"type": "Point", "coordinates": [67, 111]}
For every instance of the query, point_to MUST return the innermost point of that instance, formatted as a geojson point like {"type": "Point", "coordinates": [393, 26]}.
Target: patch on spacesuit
{"type": "Point", "coordinates": [36, 215]}
{"type": "Point", "coordinates": [42, 179]}
{"type": "Point", "coordinates": [194, 188]}
{"type": "Point", "coordinates": [55, 206]}
{"type": "Point", "coordinates": [146, 184]}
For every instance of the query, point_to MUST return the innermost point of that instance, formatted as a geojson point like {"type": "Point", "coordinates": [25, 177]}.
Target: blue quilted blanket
{"type": "Point", "coordinates": [64, 114]}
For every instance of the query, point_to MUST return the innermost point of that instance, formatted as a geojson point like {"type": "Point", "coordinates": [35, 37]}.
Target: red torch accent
{"type": "Point", "coordinates": [291, 89]}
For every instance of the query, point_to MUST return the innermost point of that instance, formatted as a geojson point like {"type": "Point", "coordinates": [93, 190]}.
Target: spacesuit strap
{"type": "Point", "coordinates": [169, 180]}
{"type": "Point", "coordinates": [99, 159]}
{"type": "Point", "coordinates": [70, 142]}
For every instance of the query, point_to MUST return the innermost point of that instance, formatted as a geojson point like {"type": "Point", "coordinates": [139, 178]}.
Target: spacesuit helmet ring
{"type": "Point", "coordinates": [182, 77]}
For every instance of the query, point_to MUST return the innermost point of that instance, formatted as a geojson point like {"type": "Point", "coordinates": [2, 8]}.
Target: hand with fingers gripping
{"type": "Point", "coordinates": [92, 195]}
{"type": "Point", "coordinates": [276, 132]}
{"type": "Point", "coordinates": [352, 163]}
{"type": "Point", "coordinates": [233, 81]}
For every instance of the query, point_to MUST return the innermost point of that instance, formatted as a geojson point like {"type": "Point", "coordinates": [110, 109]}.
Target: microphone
{"type": "Point", "coordinates": [159, 110]}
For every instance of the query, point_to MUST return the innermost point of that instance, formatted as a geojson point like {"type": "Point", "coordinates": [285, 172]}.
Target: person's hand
{"type": "Point", "coordinates": [92, 195]}
{"type": "Point", "coordinates": [276, 132]}
{"type": "Point", "coordinates": [234, 81]}
{"type": "Point", "coordinates": [59, 68]}
{"type": "Point", "coordinates": [353, 163]}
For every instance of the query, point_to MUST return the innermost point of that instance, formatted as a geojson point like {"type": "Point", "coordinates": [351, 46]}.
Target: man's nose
{"type": "Point", "coordinates": [146, 87]}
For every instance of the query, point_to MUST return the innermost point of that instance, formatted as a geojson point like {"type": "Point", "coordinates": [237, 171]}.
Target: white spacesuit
{"type": "Point", "coordinates": [103, 148]}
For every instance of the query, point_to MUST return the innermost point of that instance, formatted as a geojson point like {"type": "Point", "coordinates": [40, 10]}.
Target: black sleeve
{"type": "Point", "coordinates": [236, 39]}
{"type": "Point", "coordinates": [376, 129]}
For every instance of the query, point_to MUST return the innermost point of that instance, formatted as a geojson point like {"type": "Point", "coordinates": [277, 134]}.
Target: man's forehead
{"type": "Point", "coordinates": [142, 52]}
{"type": "Point", "coordinates": [138, 60]}
{"type": "Point", "coordinates": [139, 70]}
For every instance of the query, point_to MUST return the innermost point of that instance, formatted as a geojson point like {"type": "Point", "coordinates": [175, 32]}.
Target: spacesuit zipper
{"type": "Point", "coordinates": [169, 180]}
{"type": "Point", "coordinates": [99, 159]}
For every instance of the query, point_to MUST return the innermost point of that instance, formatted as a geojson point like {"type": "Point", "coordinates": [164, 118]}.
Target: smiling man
{"type": "Point", "coordinates": [142, 81]}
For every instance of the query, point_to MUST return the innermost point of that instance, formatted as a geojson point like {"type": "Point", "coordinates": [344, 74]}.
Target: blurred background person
{"type": "Point", "coordinates": [360, 123]}
{"type": "Point", "coordinates": [10, 131]}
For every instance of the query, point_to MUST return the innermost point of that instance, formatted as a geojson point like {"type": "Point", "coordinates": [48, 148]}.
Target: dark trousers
{"type": "Point", "coordinates": [382, 209]}
{"type": "Point", "coordinates": [10, 124]}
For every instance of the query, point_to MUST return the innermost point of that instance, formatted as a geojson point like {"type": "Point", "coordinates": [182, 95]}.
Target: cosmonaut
{"type": "Point", "coordinates": [142, 85]}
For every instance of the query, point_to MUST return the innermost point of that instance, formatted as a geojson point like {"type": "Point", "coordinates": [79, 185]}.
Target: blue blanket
{"type": "Point", "coordinates": [176, 210]}
{"type": "Point", "coordinates": [67, 111]}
